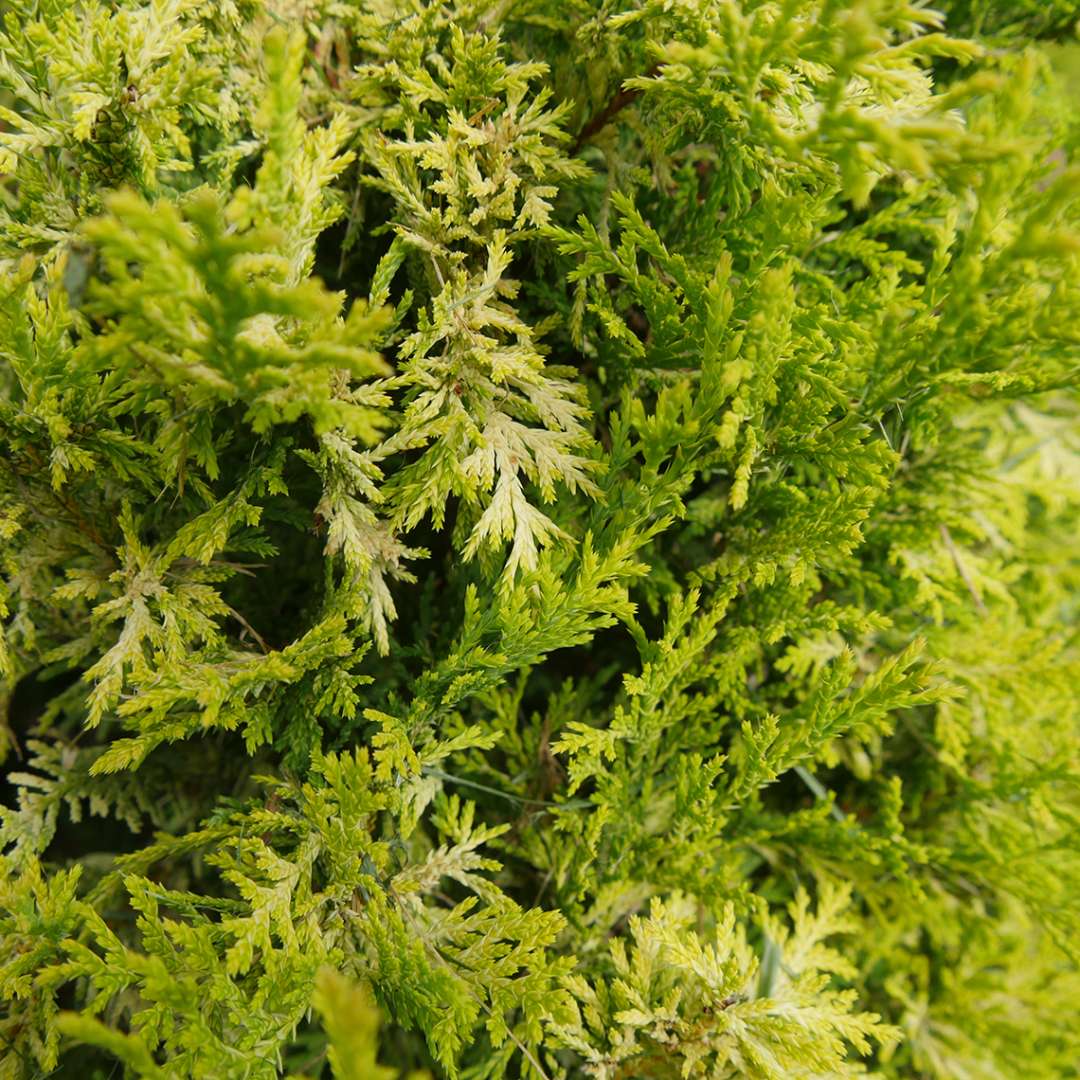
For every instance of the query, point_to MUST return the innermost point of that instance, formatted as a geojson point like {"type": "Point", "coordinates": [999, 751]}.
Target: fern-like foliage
{"type": "Point", "coordinates": [538, 540]}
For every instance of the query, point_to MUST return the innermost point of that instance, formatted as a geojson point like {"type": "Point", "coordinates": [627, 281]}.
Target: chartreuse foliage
{"type": "Point", "coordinates": [538, 540]}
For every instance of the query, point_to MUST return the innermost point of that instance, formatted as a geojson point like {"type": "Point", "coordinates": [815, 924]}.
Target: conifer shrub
{"type": "Point", "coordinates": [539, 539]}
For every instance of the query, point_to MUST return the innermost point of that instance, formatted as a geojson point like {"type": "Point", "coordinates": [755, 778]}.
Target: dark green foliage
{"type": "Point", "coordinates": [539, 540]}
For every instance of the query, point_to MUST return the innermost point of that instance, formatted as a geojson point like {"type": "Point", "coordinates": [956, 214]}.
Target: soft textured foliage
{"type": "Point", "coordinates": [538, 540]}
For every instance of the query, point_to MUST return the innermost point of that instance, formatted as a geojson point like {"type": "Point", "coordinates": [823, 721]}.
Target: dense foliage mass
{"type": "Point", "coordinates": [539, 539]}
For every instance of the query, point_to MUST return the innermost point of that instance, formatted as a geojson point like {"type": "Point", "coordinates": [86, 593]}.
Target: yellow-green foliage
{"type": "Point", "coordinates": [539, 540]}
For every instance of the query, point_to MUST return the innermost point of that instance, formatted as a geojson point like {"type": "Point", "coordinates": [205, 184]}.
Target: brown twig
{"type": "Point", "coordinates": [619, 102]}
{"type": "Point", "coordinates": [249, 628]}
